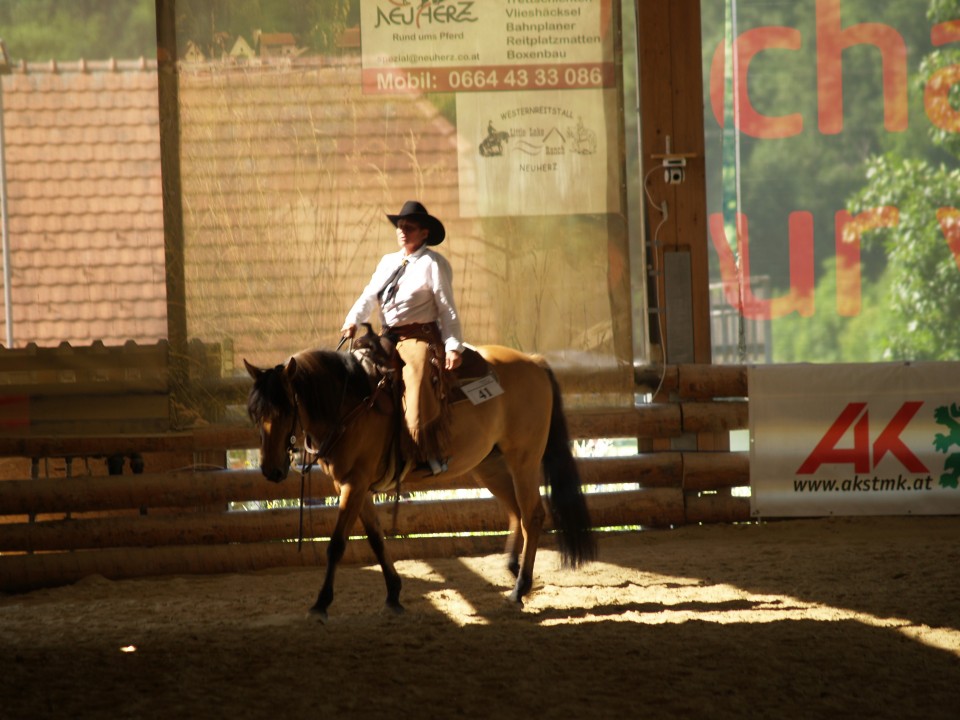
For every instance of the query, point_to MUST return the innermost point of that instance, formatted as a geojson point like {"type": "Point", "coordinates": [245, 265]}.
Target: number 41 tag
{"type": "Point", "coordinates": [479, 391]}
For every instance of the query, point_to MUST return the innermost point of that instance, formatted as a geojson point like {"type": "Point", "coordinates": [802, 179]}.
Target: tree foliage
{"type": "Point", "coordinates": [924, 275]}
{"type": "Point", "coordinates": [210, 24]}
{"type": "Point", "coordinates": [909, 276]}
{"type": "Point", "coordinates": [833, 338]}
{"type": "Point", "coordinates": [809, 171]}
{"type": "Point", "coordinates": [68, 30]}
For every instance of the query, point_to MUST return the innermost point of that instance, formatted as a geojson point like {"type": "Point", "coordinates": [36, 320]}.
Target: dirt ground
{"type": "Point", "coordinates": [854, 618]}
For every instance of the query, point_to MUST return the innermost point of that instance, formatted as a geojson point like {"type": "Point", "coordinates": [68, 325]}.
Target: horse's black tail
{"type": "Point", "coordinates": [571, 519]}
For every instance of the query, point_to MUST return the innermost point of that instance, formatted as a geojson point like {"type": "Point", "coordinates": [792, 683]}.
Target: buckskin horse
{"type": "Point", "coordinates": [510, 443]}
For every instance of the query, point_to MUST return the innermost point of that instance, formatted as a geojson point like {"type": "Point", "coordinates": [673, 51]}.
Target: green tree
{"type": "Point", "coordinates": [924, 276]}
{"type": "Point", "coordinates": [834, 338]}
{"type": "Point", "coordinates": [68, 30]}
{"type": "Point", "coordinates": [211, 24]}
{"type": "Point", "coordinates": [810, 170]}
{"type": "Point", "coordinates": [815, 172]}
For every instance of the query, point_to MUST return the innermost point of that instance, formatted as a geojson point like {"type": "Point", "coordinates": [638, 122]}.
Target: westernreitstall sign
{"type": "Point", "coordinates": [536, 96]}
{"type": "Point", "coordinates": [855, 439]}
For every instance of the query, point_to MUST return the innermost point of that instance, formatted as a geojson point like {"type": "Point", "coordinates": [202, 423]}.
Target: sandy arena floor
{"type": "Point", "coordinates": [854, 618]}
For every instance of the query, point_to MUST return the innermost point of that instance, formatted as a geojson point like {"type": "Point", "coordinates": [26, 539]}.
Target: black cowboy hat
{"type": "Point", "coordinates": [412, 210]}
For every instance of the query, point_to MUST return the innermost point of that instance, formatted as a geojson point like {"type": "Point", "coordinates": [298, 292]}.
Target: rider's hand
{"type": "Point", "coordinates": [453, 360]}
{"type": "Point", "coordinates": [348, 330]}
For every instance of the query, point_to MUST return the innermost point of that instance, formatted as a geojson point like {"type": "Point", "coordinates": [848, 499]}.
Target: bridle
{"type": "Point", "coordinates": [310, 456]}
{"type": "Point", "coordinates": [305, 466]}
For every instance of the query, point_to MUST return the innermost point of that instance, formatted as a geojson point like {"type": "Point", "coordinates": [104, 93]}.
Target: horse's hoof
{"type": "Point", "coordinates": [318, 614]}
{"type": "Point", "coordinates": [393, 608]}
{"type": "Point", "coordinates": [514, 601]}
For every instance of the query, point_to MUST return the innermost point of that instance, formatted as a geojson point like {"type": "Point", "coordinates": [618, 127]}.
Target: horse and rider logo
{"type": "Point", "coordinates": [578, 139]}
{"type": "Point", "coordinates": [492, 145]}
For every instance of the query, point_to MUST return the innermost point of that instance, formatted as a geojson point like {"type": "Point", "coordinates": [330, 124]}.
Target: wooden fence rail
{"type": "Point", "coordinates": [54, 531]}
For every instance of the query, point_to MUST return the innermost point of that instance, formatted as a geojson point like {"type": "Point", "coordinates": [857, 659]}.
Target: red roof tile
{"type": "Point", "coordinates": [286, 173]}
{"type": "Point", "coordinates": [84, 195]}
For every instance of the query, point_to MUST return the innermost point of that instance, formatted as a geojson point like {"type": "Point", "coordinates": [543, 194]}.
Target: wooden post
{"type": "Point", "coordinates": [169, 101]}
{"type": "Point", "coordinates": [671, 100]}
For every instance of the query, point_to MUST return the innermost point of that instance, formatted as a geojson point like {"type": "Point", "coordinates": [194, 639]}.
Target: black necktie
{"type": "Point", "coordinates": [389, 290]}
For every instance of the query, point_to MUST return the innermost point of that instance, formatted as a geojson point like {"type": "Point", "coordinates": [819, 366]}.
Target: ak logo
{"type": "Point", "coordinates": [864, 455]}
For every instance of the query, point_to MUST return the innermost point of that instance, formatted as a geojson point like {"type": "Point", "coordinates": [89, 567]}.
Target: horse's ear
{"type": "Point", "coordinates": [291, 367]}
{"type": "Point", "coordinates": [252, 370]}
{"type": "Point", "coordinates": [368, 328]}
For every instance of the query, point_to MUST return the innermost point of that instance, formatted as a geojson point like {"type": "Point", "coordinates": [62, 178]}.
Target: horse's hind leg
{"type": "Point", "coordinates": [514, 545]}
{"type": "Point", "coordinates": [371, 524]}
{"type": "Point", "coordinates": [494, 474]}
{"type": "Point", "coordinates": [526, 484]}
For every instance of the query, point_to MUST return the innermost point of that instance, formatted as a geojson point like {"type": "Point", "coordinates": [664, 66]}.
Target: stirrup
{"type": "Point", "coordinates": [437, 466]}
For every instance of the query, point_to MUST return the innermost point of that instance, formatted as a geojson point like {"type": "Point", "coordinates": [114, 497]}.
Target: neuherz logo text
{"type": "Point", "coordinates": [428, 12]}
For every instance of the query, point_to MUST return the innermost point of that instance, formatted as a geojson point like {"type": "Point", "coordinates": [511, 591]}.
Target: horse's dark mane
{"type": "Point", "coordinates": [320, 379]}
{"type": "Point", "coordinates": [323, 380]}
{"type": "Point", "coordinates": [268, 399]}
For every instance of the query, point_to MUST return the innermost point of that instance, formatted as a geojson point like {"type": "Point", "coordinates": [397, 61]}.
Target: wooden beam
{"type": "Point", "coordinates": [21, 573]}
{"type": "Point", "coordinates": [198, 440]}
{"type": "Point", "coordinates": [716, 507]}
{"type": "Point", "coordinates": [692, 470]}
{"type": "Point", "coordinates": [715, 470]}
{"type": "Point", "coordinates": [658, 507]}
{"type": "Point", "coordinates": [671, 97]}
{"type": "Point", "coordinates": [173, 235]}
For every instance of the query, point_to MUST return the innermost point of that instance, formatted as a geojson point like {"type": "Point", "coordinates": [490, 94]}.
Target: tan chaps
{"type": "Point", "coordinates": [424, 396]}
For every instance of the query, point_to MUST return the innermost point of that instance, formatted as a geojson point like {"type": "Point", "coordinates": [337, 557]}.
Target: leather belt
{"type": "Point", "coordinates": [415, 331]}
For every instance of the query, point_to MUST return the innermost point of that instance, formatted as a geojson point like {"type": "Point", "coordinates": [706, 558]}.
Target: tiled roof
{"type": "Point", "coordinates": [287, 170]}
{"type": "Point", "coordinates": [286, 176]}
{"type": "Point", "coordinates": [85, 209]}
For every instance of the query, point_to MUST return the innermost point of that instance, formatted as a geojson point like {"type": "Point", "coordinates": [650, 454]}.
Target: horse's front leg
{"type": "Point", "coordinates": [350, 503]}
{"type": "Point", "coordinates": [371, 524]}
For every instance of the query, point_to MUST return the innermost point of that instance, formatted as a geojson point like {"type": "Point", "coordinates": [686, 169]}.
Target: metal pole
{"type": "Point", "coordinates": [7, 295]}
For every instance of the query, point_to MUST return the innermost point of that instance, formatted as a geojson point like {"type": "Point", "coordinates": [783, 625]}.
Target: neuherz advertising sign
{"type": "Point", "coordinates": [857, 439]}
{"type": "Point", "coordinates": [536, 99]}
{"type": "Point", "coordinates": [460, 46]}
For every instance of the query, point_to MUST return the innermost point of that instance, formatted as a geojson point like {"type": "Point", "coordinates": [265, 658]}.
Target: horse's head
{"type": "Point", "coordinates": [304, 400]}
{"type": "Point", "coordinates": [272, 406]}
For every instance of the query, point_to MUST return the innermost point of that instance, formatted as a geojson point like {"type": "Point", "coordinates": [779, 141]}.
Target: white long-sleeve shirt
{"type": "Point", "coordinates": [424, 295]}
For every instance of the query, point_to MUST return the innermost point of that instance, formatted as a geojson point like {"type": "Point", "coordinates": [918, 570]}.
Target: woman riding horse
{"type": "Point", "coordinates": [511, 443]}
{"type": "Point", "coordinates": [413, 290]}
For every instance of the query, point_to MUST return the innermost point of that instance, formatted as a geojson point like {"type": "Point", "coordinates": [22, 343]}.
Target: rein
{"type": "Point", "coordinates": [305, 466]}
{"type": "Point", "coordinates": [334, 436]}
{"type": "Point", "coordinates": [330, 441]}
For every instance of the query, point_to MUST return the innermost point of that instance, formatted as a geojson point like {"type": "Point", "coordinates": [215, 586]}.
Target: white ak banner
{"type": "Point", "coordinates": [855, 439]}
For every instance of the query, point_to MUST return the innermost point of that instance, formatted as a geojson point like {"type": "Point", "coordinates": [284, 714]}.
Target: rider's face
{"type": "Point", "coordinates": [410, 236]}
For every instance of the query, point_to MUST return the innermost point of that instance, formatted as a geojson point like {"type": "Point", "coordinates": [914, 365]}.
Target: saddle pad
{"type": "Point", "coordinates": [474, 380]}
{"type": "Point", "coordinates": [472, 366]}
